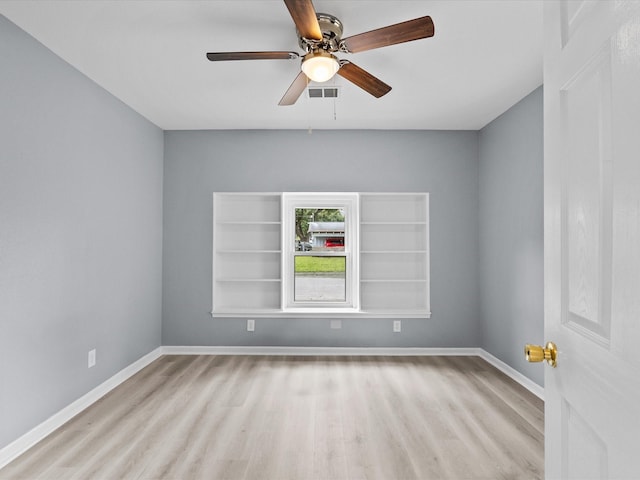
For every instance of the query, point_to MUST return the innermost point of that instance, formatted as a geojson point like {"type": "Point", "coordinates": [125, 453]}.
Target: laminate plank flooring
{"type": "Point", "coordinates": [300, 417]}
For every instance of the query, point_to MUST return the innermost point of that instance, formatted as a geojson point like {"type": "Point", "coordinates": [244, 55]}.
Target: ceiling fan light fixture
{"type": "Point", "coordinates": [320, 66]}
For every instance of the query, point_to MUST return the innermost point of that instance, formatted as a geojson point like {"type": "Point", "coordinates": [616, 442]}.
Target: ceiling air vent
{"type": "Point", "coordinates": [323, 92]}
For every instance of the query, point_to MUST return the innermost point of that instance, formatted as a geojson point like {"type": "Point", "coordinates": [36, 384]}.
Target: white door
{"type": "Point", "coordinates": [592, 238]}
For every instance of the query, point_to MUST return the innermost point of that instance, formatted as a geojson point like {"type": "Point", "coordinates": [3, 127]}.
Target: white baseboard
{"type": "Point", "coordinates": [513, 374]}
{"type": "Point", "coordinates": [354, 351]}
{"type": "Point", "coordinates": [22, 444]}
{"type": "Point", "coordinates": [29, 439]}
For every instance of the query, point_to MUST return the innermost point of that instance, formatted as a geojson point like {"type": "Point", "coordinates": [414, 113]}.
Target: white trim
{"type": "Point", "coordinates": [29, 439]}
{"type": "Point", "coordinates": [291, 201]}
{"type": "Point", "coordinates": [39, 432]}
{"type": "Point", "coordinates": [326, 313]}
{"type": "Point", "coordinates": [512, 373]}
{"type": "Point", "coordinates": [337, 351]}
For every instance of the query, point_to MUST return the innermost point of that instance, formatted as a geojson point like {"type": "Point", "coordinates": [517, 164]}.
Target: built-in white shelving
{"type": "Point", "coordinates": [247, 252]}
{"type": "Point", "coordinates": [394, 253]}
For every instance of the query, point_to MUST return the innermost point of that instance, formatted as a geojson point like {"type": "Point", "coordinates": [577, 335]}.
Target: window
{"type": "Point", "coordinates": [320, 251]}
{"type": "Point", "coordinates": [321, 254]}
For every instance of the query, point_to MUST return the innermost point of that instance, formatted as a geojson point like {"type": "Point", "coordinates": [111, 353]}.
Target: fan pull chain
{"type": "Point", "coordinates": [308, 105]}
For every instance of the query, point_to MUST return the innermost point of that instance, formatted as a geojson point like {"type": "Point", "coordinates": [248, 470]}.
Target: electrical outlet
{"type": "Point", "coordinates": [91, 359]}
{"type": "Point", "coordinates": [397, 326]}
{"type": "Point", "coordinates": [251, 325]}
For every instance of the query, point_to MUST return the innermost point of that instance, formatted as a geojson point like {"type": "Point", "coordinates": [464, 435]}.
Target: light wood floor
{"type": "Point", "coordinates": [284, 417]}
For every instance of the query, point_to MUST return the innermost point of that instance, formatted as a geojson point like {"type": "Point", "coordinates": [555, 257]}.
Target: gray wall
{"type": "Point", "coordinates": [511, 234]}
{"type": "Point", "coordinates": [80, 233]}
{"type": "Point", "coordinates": [200, 163]}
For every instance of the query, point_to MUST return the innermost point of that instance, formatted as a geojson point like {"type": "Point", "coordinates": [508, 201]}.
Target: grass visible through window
{"type": "Point", "coordinates": [309, 264]}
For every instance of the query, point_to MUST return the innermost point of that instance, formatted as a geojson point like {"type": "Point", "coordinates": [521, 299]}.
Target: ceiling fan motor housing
{"type": "Point", "coordinates": [331, 28]}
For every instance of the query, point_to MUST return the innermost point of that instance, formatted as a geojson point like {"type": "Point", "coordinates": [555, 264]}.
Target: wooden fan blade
{"type": "Point", "coordinates": [363, 79]}
{"type": "Point", "coordinates": [399, 33]}
{"type": "Point", "coordinates": [304, 16]}
{"type": "Point", "coordinates": [221, 56]}
{"type": "Point", "coordinates": [295, 90]}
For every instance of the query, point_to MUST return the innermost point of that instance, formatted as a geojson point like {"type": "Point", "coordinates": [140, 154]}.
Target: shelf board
{"type": "Point", "coordinates": [397, 313]}
{"type": "Point", "coordinates": [278, 313]}
{"type": "Point", "coordinates": [392, 223]}
{"type": "Point", "coordinates": [414, 252]}
{"type": "Point", "coordinates": [249, 251]}
{"type": "Point", "coordinates": [390, 280]}
{"type": "Point", "coordinates": [247, 222]}
{"type": "Point", "coordinates": [248, 280]}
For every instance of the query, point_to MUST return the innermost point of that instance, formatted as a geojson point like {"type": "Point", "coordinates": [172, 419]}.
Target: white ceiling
{"type": "Point", "coordinates": [485, 56]}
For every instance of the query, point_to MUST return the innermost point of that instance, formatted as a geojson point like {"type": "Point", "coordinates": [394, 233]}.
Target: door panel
{"type": "Point", "coordinates": [592, 238]}
{"type": "Point", "coordinates": [591, 460]}
{"type": "Point", "coordinates": [586, 237]}
{"type": "Point", "coordinates": [573, 13]}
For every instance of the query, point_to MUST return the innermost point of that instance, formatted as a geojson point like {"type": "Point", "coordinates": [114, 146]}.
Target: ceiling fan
{"type": "Point", "coordinates": [320, 36]}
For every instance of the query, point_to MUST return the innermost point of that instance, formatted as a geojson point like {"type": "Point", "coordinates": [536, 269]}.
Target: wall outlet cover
{"type": "Point", "coordinates": [91, 359]}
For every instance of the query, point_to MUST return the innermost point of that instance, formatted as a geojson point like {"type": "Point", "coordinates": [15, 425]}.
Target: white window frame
{"type": "Point", "coordinates": [347, 201]}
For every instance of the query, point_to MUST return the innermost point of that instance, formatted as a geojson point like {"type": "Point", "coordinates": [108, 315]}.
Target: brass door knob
{"type": "Point", "coordinates": [536, 353]}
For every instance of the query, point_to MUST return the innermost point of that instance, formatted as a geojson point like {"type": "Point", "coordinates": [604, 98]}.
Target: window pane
{"type": "Point", "coordinates": [319, 229]}
{"type": "Point", "coordinates": [319, 279]}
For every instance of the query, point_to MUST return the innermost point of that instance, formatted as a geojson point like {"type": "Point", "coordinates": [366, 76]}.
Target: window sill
{"type": "Point", "coordinates": [327, 313]}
